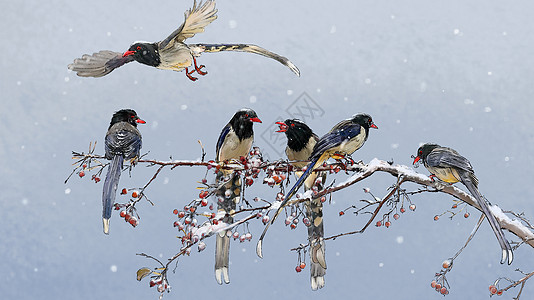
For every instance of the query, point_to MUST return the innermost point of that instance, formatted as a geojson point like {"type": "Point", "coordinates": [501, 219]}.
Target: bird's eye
{"type": "Point", "coordinates": [246, 115]}
{"type": "Point", "coordinates": [138, 47]}
{"type": "Point", "coordinates": [420, 152]}
{"type": "Point", "coordinates": [293, 125]}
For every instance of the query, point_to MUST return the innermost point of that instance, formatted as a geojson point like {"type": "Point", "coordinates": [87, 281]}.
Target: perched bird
{"type": "Point", "coordinates": [234, 141]}
{"type": "Point", "coordinates": [123, 141]}
{"type": "Point", "coordinates": [171, 53]}
{"type": "Point", "coordinates": [343, 139]}
{"type": "Point", "coordinates": [300, 143]}
{"type": "Point", "coordinates": [449, 166]}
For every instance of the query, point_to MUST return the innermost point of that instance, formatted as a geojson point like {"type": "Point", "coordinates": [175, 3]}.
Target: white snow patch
{"type": "Point", "coordinates": [333, 29]}
{"type": "Point", "coordinates": [113, 268]}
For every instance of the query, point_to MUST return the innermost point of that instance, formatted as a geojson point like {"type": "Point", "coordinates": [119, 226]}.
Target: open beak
{"type": "Point", "coordinates": [416, 160]}
{"type": "Point", "coordinates": [255, 120]}
{"type": "Point", "coordinates": [128, 53]}
{"type": "Point", "coordinates": [283, 127]}
{"type": "Point", "coordinates": [140, 121]}
{"type": "Point", "coordinates": [373, 126]}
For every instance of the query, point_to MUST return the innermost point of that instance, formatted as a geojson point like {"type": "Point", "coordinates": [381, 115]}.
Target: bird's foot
{"type": "Point", "coordinates": [199, 68]}
{"type": "Point", "coordinates": [188, 74]}
{"type": "Point", "coordinates": [432, 177]}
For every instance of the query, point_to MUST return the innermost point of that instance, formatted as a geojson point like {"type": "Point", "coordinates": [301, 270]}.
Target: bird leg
{"type": "Point", "coordinates": [199, 68]}
{"type": "Point", "coordinates": [188, 74]}
{"type": "Point", "coordinates": [432, 176]}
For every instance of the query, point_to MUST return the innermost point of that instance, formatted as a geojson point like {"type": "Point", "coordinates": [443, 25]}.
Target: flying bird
{"type": "Point", "coordinates": [300, 143]}
{"type": "Point", "coordinates": [171, 53]}
{"type": "Point", "coordinates": [123, 141]}
{"type": "Point", "coordinates": [449, 166]}
{"type": "Point", "coordinates": [234, 141]}
{"type": "Point", "coordinates": [342, 140]}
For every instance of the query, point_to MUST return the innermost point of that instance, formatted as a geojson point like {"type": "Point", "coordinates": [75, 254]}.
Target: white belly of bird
{"type": "Point", "coordinates": [176, 58]}
{"type": "Point", "coordinates": [348, 147]}
{"type": "Point", "coordinates": [448, 175]}
{"type": "Point", "coordinates": [234, 148]}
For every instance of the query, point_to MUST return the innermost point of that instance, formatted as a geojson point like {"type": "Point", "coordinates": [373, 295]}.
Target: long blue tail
{"type": "Point", "coordinates": [110, 189]}
{"type": "Point", "coordinates": [288, 197]}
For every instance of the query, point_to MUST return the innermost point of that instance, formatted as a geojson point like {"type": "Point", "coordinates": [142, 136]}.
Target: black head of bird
{"type": "Point", "coordinates": [145, 53]}
{"type": "Point", "coordinates": [364, 120]}
{"type": "Point", "coordinates": [126, 115]}
{"type": "Point", "coordinates": [242, 122]}
{"type": "Point", "coordinates": [423, 152]}
{"type": "Point", "coordinates": [298, 133]}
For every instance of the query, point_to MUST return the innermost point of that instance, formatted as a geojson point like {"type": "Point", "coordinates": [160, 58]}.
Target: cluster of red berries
{"type": "Point", "coordinates": [300, 267]}
{"type": "Point", "coordinates": [439, 287]}
{"type": "Point", "coordinates": [161, 283]}
{"type": "Point", "coordinates": [494, 291]}
{"type": "Point", "coordinates": [395, 216]}
{"type": "Point", "coordinates": [292, 221]}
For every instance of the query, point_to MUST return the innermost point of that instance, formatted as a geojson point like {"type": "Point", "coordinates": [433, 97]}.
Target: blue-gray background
{"type": "Point", "coordinates": [454, 72]}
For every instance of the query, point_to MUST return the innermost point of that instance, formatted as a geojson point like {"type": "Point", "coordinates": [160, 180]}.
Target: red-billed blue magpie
{"type": "Point", "coordinates": [123, 141]}
{"type": "Point", "coordinates": [449, 166]}
{"type": "Point", "coordinates": [171, 53]}
{"type": "Point", "coordinates": [234, 142]}
{"type": "Point", "coordinates": [342, 140]}
{"type": "Point", "coordinates": [300, 143]}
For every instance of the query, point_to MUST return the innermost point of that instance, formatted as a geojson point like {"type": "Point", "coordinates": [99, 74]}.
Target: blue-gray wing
{"type": "Point", "coordinates": [342, 132]}
{"type": "Point", "coordinates": [446, 157]}
{"type": "Point", "coordinates": [123, 141]}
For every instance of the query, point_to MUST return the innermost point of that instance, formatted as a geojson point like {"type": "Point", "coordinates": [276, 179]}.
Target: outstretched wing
{"type": "Point", "coordinates": [98, 64]}
{"type": "Point", "coordinates": [196, 18]}
{"type": "Point", "coordinates": [444, 157]}
{"type": "Point", "coordinates": [342, 132]}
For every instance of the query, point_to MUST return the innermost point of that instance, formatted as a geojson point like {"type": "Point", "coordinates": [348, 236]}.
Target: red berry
{"type": "Point", "coordinates": [433, 284]}
{"type": "Point", "coordinates": [302, 265]}
{"type": "Point", "coordinates": [388, 223]}
{"type": "Point", "coordinates": [444, 291]}
{"type": "Point", "coordinates": [97, 179]}
{"type": "Point", "coordinates": [192, 209]}
{"type": "Point", "coordinates": [133, 221]}
{"type": "Point", "coordinates": [212, 215]}
{"type": "Point", "coordinates": [298, 269]}
{"type": "Point", "coordinates": [436, 217]}
{"type": "Point", "coordinates": [181, 214]}
{"type": "Point", "coordinates": [215, 221]}
{"type": "Point", "coordinates": [204, 202]}
{"type": "Point", "coordinates": [293, 226]}
{"type": "Point", "coordinates": [438, 287]}
{"type": "Point", "coordinates": [134, 194]}
{"type": "Point", "coordinates": [122, 214]}
{"type": "Point", "coordinates": [82, 173]}
{"type": "Point", "coordinates": [466, 215]}
{"type": "Point", "coordinates": [84, 166]}
{"type": "Point", "coordinates": [175, 211]}
{"type": "Point", "coordinates": [203, 194]}
{"type": "Point", "coordinates": [412, 206]}
{"type": "Point", "coordinates": [204, 180]}
{"type": "Point", "coordinates": [396, 216]}
{"type": "Point", "coordinates": [176, 224]}
{"type": "Point", "coordinates": [127, 217]}
{"type": "Point", "coordinates": [454, 206]}
{"type": "Point", "coordinates": [446, 264]}
{"type": "Point", "coordinates": [341, 213]}
{"type": "Point", "coordinates": [124, 192]}
{"type": "Point", "coordinates": [499, 292]}
{"type": "Point", "coordinates": [493, 289]}
{"type": "Point", "coordinates": [379, 223]}
{"type": "Point", "coordinates": [323, 199]}
{"type": "Point", "coordinates": [152, 283]}
{"type": "Point", "coordinates": [402, 210]}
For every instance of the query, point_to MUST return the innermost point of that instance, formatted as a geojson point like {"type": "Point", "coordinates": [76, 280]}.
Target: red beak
{"type": "Point", "coordinates": [140, 121]}
{"type": "Point", "coordinates": [373, 126]}
{"type": "Point", "coordinates": [128, 53]}
{"type": "Point", "coordinates": [416, 160]}
{"type": "Point", "coordinates": [255, 120]}
{"type": "Point", "coordinates": [283, 127]}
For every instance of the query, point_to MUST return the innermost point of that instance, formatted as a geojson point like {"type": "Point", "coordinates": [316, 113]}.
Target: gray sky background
{"type": "Point", "coordinates": [458, 73]}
